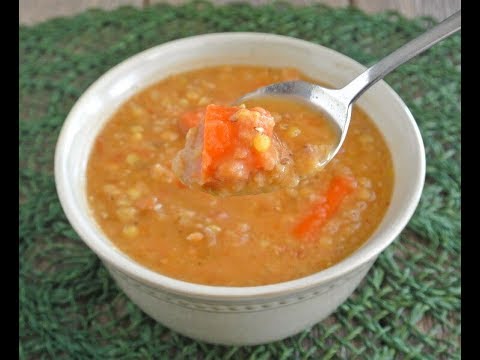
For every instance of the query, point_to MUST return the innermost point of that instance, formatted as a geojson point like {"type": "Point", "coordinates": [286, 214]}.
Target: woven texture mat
{"type": "Point", "coordinates": [407, 308]}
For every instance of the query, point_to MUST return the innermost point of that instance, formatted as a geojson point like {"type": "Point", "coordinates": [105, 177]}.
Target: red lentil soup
{"type": "Point", "coordinates": [247, 240]}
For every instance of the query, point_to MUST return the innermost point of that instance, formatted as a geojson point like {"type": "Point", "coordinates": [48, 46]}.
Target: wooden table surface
{"type": "Point", "coordinates": [35, 11]}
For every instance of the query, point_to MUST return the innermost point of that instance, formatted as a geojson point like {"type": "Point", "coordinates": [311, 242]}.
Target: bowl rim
{"type": "Point", "coordinates": [137, 271]}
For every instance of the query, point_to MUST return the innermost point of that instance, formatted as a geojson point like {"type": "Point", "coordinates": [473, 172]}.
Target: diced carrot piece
{"type": "Point", "coordinates": [321, 212]}
{"type": "Point", "coordinates": [218, 134]}
{"type": "Point", "coordinates": [219, 113]}
{"type": "Point", "coordinates": [190, 119]}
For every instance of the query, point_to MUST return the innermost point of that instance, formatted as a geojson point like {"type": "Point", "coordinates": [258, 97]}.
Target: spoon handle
{"type": "Point", "coordinates": [376, 72]}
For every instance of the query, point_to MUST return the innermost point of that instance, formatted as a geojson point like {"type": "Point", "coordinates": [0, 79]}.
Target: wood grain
{"type": "Point", "coordinates": [335, 3]}
{"type": "Point", "coordinates": [438, 9]}
{"type": "Point", "coordinates": [35, 11]}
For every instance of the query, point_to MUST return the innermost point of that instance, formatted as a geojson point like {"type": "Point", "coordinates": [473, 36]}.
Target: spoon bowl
{"type": "Point", "coordinates": [328, 101]}
{"type": "Point", "coordinates": [336, 104]}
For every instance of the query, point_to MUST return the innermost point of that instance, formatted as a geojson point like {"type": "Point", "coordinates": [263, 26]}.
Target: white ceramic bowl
{"type": "Point", "coordinates": [242, 315]}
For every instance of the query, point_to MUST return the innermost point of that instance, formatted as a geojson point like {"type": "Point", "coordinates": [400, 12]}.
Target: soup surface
{"type": "Point", "coordinates": [247, 240]}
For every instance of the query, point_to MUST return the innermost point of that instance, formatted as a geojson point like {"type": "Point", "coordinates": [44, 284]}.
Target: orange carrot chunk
{"type": "Point", "coordinates": [321, 212]}
{"type": "Point", "coordinates": [218, 134]}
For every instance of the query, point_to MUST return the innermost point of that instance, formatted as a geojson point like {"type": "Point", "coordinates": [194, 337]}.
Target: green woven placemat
{"type": "Point", "coordinates": [408, 308]}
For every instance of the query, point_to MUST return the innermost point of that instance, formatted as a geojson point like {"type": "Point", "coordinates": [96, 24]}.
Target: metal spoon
{"type": "Point", "coordinates": [337, 103]}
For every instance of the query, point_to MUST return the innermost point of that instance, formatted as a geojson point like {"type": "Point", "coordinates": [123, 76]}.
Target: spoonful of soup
{"type": "Point", "coordinates": [248, 149]}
